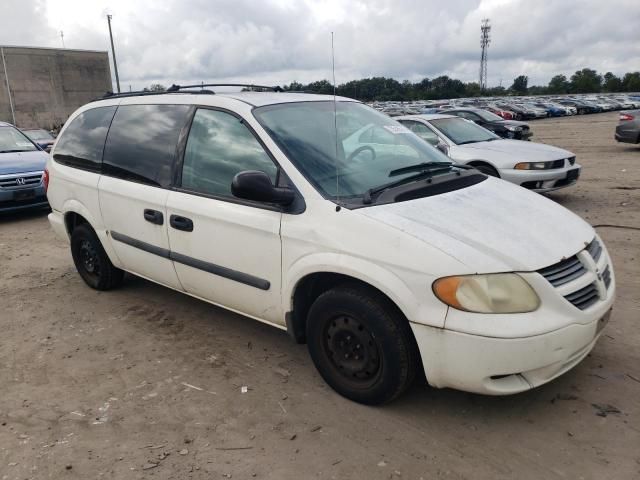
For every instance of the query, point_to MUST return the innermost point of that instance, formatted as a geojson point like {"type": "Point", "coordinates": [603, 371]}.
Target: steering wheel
{"type": "Point", "coordinates": [359, 150]}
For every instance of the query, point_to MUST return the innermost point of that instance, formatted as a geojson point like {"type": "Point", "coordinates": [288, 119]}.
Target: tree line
{"type": "Point", "coordinates": [444, 87]}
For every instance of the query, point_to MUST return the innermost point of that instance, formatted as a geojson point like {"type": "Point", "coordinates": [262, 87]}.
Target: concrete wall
{"type": "Point", "coordinates": [48, 84]}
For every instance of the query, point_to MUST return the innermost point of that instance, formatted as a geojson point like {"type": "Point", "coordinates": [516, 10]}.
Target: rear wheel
{"type": "Point", "coordinates": [361, 345]}
{"type": "Point", "coordinates": [92, 261]}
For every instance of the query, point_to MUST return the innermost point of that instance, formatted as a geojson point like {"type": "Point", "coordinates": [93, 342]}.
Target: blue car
{"type": "Point", "coordinates": [552, 110]}
{"type": "Point", "coordinates": [22, 165]}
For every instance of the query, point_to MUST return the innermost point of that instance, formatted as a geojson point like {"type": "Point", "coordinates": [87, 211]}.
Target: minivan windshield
{"type": "Point", "coordinates": [12, 140]}
{"type": "Point", "coordinates": [370, 149]}
{"type": "Point", "coordinates": [461, 131]}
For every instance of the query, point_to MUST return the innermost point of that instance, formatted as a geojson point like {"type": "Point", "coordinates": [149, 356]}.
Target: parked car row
{"type": "Point", "coordinates": [519, 108]}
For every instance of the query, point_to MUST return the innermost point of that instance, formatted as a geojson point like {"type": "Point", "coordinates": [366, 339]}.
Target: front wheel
{"type": "Point", "coordinates": [361, 345]}
{"type": "Point", "coordinates": [92, 261]}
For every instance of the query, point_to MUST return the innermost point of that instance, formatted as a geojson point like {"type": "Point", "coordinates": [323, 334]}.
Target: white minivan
{"type": "Point", "coordinates": [385, 261]}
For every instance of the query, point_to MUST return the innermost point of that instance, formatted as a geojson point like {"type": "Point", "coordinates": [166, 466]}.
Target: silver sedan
{"type": "Point", "coordinates": [538, 167]}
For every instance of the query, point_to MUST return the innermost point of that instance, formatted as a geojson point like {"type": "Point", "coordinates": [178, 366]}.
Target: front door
{"type": "Point", "coordinates": [225, 250]}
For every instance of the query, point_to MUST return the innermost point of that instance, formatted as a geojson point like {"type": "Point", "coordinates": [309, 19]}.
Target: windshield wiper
{"type": "Point", "coordinates": [14, 151]}
{"type": "Point", "coordinates": [427, 170]}
{"type": "Point", "coordinates": [419, 167]}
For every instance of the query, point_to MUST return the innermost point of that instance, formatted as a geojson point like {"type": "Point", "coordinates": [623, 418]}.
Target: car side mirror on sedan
{"type": "Point", "coordinates": [255, 185]}
{"type": "Point", "coordinates": [444, 148]}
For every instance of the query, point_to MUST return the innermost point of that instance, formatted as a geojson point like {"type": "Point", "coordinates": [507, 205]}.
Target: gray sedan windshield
{"type": "Point", "coordinates": [367, 148]}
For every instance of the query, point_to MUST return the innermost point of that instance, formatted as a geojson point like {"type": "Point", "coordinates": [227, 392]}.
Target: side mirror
{"type": "Point", "coordinates": [443, 148]}
{"type": "Point", "coordinates": [255, 185]}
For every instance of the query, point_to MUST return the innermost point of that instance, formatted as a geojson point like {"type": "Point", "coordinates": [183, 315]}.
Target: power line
{"type": "Point", "coordinates": [485, 40]}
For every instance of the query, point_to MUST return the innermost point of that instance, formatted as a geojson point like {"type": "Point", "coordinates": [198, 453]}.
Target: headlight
{"type": "Point", "coordinates": [531, 166]}
{"type": "Point", "coordinates": [492, 293]}
{"type": "Point", "coordinates": [513, 128]}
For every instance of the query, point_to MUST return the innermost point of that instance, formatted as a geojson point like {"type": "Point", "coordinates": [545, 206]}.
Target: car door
{"type": "Point", "coordinates": [138, 162]}
{"type": "Point", "coordinates": [225, 250]}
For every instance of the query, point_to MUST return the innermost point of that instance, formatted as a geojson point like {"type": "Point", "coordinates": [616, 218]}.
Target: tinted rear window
{"type": "Point", "coordinates": [142, 143]}
{"type": "Point", "coordinates": [82, 142]}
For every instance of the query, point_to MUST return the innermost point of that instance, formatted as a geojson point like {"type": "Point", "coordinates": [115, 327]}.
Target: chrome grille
{"type": "Point", "coordinates": [594, 249]}
{"type": "Point", "coordinates": [585, 297]}
{"type": "Point", "coordinates": [20, 180]}
{"type": "Point", "coordinates": [573, 268]}
{"type": "Point", "coordinates": [563, 271]}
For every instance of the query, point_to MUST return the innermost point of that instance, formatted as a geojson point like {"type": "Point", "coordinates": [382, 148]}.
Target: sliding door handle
{"type": "Point", "coordinates": [181, 223]}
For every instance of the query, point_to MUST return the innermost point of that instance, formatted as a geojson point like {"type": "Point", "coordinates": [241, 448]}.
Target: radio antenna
{"type": "Point", "coordinates": [335, 118]}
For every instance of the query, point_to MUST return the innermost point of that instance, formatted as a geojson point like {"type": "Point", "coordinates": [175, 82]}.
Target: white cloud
{"type": "Point", "coordinates": [277, 41]}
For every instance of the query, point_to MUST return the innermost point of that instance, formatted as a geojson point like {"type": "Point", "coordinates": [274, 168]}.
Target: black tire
{"type": "Point", "coordinates": [92, 261]}
{"type": "Point", "coordinates": [486, 169]}
{"type": "Point", "coordinates": [361, 344]}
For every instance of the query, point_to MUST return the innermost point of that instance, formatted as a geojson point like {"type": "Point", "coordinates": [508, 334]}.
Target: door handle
{"type": "Point", "coordinates": [181, 223]}
{"type": "Point", "coordinates": [153, 216]}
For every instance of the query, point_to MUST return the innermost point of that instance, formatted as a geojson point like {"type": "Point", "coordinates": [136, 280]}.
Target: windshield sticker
{"type": "Point", "coordinates": [396, 129]}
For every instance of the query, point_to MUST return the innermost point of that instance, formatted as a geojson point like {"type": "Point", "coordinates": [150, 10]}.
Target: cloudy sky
{"type": "Point", "coordinates": [278, 41]}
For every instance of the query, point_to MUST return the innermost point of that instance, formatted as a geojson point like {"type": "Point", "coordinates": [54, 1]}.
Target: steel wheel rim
{"type": "Point", "coordinates": [89, 258]}
{"type": "Point", "coordinates": [352, 350]}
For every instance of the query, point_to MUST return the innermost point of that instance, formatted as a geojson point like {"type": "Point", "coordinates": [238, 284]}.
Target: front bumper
{"type": "Point", "coordinates": [10, 202]}
{"type": "Point", "coordinates": [500, 354]}
{"type": "Point", "coordinates": [542, 181]}
{"type": "Point", "coordinates": [498, 366]}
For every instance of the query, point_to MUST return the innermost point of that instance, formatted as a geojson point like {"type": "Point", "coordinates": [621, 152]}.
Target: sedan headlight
{"type": "Point", "coordinates": [491, 293]}
{"type": "Point", "coordinates": [513, 128]}
{"type": "Point", "coordinates": [531, 166]}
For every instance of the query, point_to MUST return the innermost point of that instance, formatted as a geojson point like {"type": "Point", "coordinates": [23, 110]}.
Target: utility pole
{"type": "Point", "coordinates": [113, 54]}
{"type": "Point", "coordinates": [485, 40]}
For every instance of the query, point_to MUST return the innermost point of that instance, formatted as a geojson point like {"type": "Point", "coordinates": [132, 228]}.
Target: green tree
{"type": "Point", "coordinates": [586, 81]}
{"type": "Point", "coordinates": [558, 84]}
{"type": "Point", "coordinates": [537, 90]}
{"type": "Point", "coordinates": [519, 86]}
{"type": "Point", "coordinates": [472, 89]}
{"type": "Point", "coordinates": [631, 82]}
{"type": "Point", "coordinates": [611, 83]}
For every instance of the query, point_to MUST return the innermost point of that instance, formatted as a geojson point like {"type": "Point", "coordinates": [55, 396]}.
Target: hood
{"type": "Point", "coordinates": [493, 226]}
{"type": "Point", "coordinates": [521, 150]}
{"type": "Point", "coordinates": [19, 162]}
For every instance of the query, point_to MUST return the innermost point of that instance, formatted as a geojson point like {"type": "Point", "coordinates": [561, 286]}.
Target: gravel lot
{"type": "Point", "coordinates": [144, 382]}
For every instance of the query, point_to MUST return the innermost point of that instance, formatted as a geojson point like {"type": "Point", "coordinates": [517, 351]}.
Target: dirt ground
{"type": "Point", "coordinates": [144, 382]}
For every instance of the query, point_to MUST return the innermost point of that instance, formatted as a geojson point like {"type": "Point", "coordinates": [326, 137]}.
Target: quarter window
{"type": "Point", "coordinates": [219, 147]}
{"type": "Point", "coordinates": [142, 143]}
{"type": "Point", "coordinates": [82, 142]}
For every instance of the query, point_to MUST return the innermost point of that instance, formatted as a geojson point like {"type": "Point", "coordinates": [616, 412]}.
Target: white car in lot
{"type": "Point", "coordinates": [536, 166]}
{"type": "Point", "coordinates": [384, 259]}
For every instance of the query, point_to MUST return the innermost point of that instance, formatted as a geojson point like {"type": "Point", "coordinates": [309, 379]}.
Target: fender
{"type": "Point", "coordinates": [416, 309]}
{"type": "Point", "coordinates": [73, 205]}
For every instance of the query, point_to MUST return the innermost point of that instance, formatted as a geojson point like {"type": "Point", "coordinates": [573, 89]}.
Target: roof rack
{"type": "Point", "coordinates": [177, 88]}
{"type": "Point", "coordinates": [189, 89]}
{"type": "Point", "coordinates": [142, 93]}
